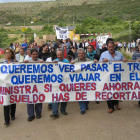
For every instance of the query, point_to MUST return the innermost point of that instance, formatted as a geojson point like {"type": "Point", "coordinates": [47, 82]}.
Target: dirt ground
{"type": "Point", "coordinates": [96, 124]}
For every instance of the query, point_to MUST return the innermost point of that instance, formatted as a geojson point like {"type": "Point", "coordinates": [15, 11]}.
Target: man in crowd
{"type": "Point", "coordinates": [45, 53]}
{"type": "Point", "coordinates": [24, 45]}
{"type": "Point", "coordinates": [55, 106]}
{"type": "Point", "coordinates": [82, 44]}
{"type": "Point", "coordinates": [112, 55]}
{"type": "Point", "coordinates": [82, 58]}
{"type": "Point", "coordinates": [41, 48]}
{"type": "Point", "coordinates": [21, 55]}
{"type": "Point", "coordinates": [38, 106]}
{"type": "Point", "coordinates": [28, 56]}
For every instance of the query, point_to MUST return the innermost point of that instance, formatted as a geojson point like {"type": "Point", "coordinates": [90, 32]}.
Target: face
{"type": "Point", "coordinates": [8, 54]}
{"type": "Point", "coordinates": [52, 49]}
{"type": "Point", "coordinates": [139, 47]}
{"type": "Point", "coordinates": [111, 48]}
{"type": "Point", "coordinates": [60, 55]}
{"type": "Point", "coordinates": [81, 55]}
{"type": "Point", "coordinates": [59, 46]}
{"type": "Point", "coordinates": [47, 48]}
{"type": "Point", "coordinates": [42, 42]}
{"type": "Point", "coordinates": [22, 52]}
{"type": "Point", "coordinates": [65, 47]}
{"type": "Point", "coordinates": [28, 53]}
{"type": "Point", "coordinates": [34, 56]}
{"type": "Point", "coordinates": [90, 49]}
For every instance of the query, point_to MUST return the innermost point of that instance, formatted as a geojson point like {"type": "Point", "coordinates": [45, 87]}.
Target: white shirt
{"type": "Point", "coordinates": [27, 57]}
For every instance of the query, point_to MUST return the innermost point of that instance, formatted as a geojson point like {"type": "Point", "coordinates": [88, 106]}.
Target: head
{"type": "Point", "coordinates": [81, 53]}
{"type": "Point", "coordinates": [11, 44]}
{"type": "Point", "coordinates": [24, 41]}
{"type": "Point", "coordinates": [104, 45]}
{"type": "Point", "coordinates": [65, 47]}
{"type": "Point", "coordinates": [34, 54]}
{"type": "Point", "coordinates": [60, 54]}
{"type": "Point", "coordinates": [111, 47]}
{"type": "Point", "coordinates": [139, 46]}
{"type": "Point", "coordinates": [21, 51]}
{"type": "Point", "coordinates": [52, 49]}
{"type": "Point", "coordinates": [69, 57]}
{"type": "Point", "coordinates": [109, 39]}
{"type": "Point", "coordinates": [90, 49]}
{"type": "Point", "coordinates": [42, 42]}
{"type": "Point", "coordinates": [9, 54]}
{"type": "Point", "coordinates": [59, 46]}
{"type": "Point", "coordinates": [46, 48]}
{"type": "Point", "coordinates": [29, 52]}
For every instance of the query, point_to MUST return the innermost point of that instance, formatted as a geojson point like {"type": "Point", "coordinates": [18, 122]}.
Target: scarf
{"type": "Point", "coordinates": [91, 55]}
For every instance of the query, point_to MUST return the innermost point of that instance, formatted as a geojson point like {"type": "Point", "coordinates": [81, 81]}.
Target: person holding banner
{"type": "Point", "coordinates": [10, 109]}
{"type": "Point", "coordinates": [136, 56]}
{"type": "Point", "coordinates": [82, 58]}
{"type": "Point", "coordinates": [112, 55]}
{"type": "Point", "coordinates": [55, 106]}
{"type": "Point", "coordinates": [91, 54]}
{"type": "Point", "coordinates": [38, 106]}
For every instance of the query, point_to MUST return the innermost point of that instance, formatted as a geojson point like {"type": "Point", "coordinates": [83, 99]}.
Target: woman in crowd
{"type": "Point", "coordinates": [91, 53]}
{"type": "Point", "coordinates": [9, 109]}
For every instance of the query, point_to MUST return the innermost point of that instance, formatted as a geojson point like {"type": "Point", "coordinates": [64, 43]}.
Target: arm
{"type": "Point", "coordinates": [133, 56]}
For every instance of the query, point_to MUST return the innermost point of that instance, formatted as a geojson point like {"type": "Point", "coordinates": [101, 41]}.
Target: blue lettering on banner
{"type": "Point", "coordinates": [22, 68]}
{"type": "Point", "coordinates": [94, 67]}
{"type": "Point", "coordinates": [4, 69]}
{"type": "Point", "coordinates": [133, 66]}
{"type": "Point", "coordinates": [33, 78]}
{"type": "Point", "coordinates": [40, 78]}
{"type": "Point", "coordinates": [67, 68]}
{"type": "Point", "coordinates": [88, 77]}
{"type": "Point", "coordinates": [50, 68]}
{"type": "Point", "coordinates": [26, 79]}
{"type": "Point", "coordinates": [134, 77]}
{"type": "Point", "coordinates": [17, 68]}
{"type": "Point", "coordinates": [115, 77]}
{"type": "Point", "coordinates": [29, 68]}
{"type": "Point", "coordinates": [36, 69]}
{"type": "Point", "coordinates": [118, 67]}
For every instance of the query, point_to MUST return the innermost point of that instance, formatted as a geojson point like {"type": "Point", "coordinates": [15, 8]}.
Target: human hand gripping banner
{"type": "Point", "coordinates": [63, 82]}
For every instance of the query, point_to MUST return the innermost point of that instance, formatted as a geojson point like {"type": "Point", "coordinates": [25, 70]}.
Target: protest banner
{"type": "Point", "coordinates": [61, 33]}
{"type": "Point", "coordinates": [102, 38]}
{"type": "Point", "coordinates": [63, 82]}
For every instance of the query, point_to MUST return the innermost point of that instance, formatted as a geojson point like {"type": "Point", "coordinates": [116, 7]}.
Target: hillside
{"type": "Point", "coordinates": [67, 11]}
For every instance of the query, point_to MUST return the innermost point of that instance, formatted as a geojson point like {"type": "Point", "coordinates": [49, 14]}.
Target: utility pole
{"type": "Point", "coordinates": [48, 21]}
{"type": "Point", "coordinates": [129, 29]}
{"type": "Point", "coordinates": [73, 19]}
{"type": "Point", "coordinates": [24, 21]}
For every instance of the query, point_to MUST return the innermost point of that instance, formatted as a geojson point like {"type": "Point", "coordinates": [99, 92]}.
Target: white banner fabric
{"type": "Point", "coordinates": [63, 82]}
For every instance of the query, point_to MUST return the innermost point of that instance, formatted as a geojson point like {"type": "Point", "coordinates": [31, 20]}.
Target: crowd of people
{"type": "Point", "coordinates": [66, 51]}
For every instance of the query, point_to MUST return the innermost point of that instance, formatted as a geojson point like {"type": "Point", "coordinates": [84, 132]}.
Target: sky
{"type": "Point", "coordinates": [6, 1]}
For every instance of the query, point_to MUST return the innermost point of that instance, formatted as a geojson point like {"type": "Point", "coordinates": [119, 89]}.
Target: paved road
{"type": "Point", "coordinates": [96, 124]}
